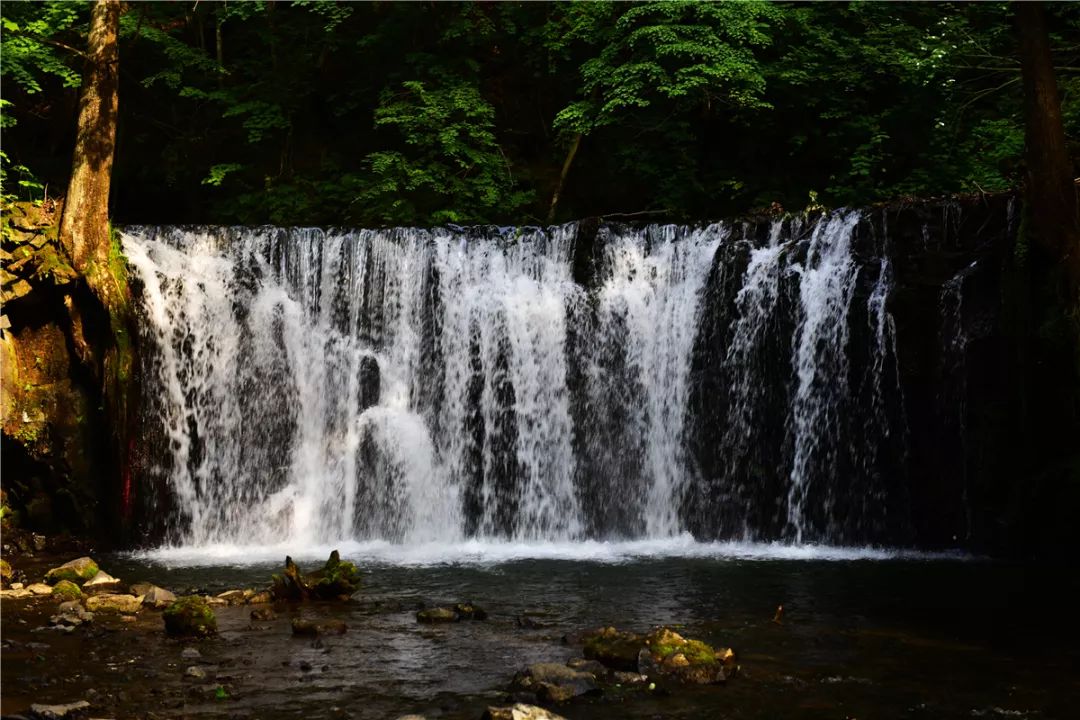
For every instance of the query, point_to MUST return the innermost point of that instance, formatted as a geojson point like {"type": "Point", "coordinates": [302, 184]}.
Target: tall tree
{"type": "Point", "coordinates": [84, 226]}
{"type": "Point", "coordinates": [1050, 188]}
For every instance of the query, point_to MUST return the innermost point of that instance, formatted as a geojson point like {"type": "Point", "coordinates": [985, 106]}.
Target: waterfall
{"type": "Point", "coordinates": [438, 385]}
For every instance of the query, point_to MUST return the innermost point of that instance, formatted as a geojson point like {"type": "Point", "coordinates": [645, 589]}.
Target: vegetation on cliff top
{"type": "Point", "coordinates": [314, 112]}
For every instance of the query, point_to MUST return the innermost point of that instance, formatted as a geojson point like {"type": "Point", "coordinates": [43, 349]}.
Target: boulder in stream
{"type": "Point", "coordinates": [555, 683]}
{"type": "Point", "coordinates": [157, 598]}
{"type": "Point", "coordinates": [56, 712]}
{"type": "Point", "coordinates": [124, 604]}
{"type": "Point", "coordinates": [337, 580]}
{"type": "Point", "coordinates": [78, 570]}
{"type": "Point", "coordinates": [520, 711]}
{"type": "Point", "coordinates": [190, 616]}
{"type": "Point", "coordinates": [302, 626]}
{"type": "Point", "coordinates": [102, 582]}
{"type": "Point", "coordinates": [67, 590]}
{"type": "Point", "coordinates": [437, 615]}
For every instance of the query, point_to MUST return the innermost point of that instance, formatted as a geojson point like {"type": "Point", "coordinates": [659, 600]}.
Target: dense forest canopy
{"type": "Point", "coordinates": [311, 112]}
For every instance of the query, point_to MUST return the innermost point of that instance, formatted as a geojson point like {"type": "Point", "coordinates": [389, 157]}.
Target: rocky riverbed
{"type": "Point", "coordinates": [581, 639]}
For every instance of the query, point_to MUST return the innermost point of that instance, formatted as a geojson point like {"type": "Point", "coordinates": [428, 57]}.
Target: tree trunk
{"type": "Point", "coordinates": [84, 227]}
{"type": "Point", "coordinates": [562, 178]}
{"type": "Point", "coordinates": [1051, 193]}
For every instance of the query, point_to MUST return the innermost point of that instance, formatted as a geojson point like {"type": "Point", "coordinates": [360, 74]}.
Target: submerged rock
{"type": "Point", "coordinates": [71, 614]}
{"type": "Point", "coordinates": [301, 626]}
{"type": "Point", "coordinates": [190, 616]}
{"type": "Point", "coordinates": [437, 615]}
{"type": "Point", "coordinates": [552, 682]}
{"type": "Point", "coordinates": [54, 712]}
{"type": "Point", "coordinates": [126, 604]}
{"type": "Point", "coordinates": [67, 590]}
{"type": "Point", "coordinates": [263, 614]}
{"type": "Point", "coordinates": [614, 648]}
{"type": "Point", "coordinates": [520, 711]}
{"type": "Point", "coordinates": [78, 570]}
{"type": "Point", "coordinates": [468, 611]}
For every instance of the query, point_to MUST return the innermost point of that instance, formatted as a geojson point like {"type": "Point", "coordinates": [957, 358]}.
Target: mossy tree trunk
{"type": "Point", "coordinates": [1051, 192]}
{"type": "Point", "coordinates": [84, 226]}
{"type": "Point", "coordinates": [87, 238]}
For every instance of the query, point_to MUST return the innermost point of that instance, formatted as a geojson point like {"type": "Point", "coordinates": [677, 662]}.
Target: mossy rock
{"type": "Point", "coordinates": [338, 579]}
{"type": "Point", "coordinates": [614, 648]}
{"type": "Point", "coordinates": [5, 571]}
{"type": "Point", "coordinates": [76, 571]}
{"type": "Point", "coordinates": [190, 616]}
{"type": "Point", "coordinates": [67, 590]}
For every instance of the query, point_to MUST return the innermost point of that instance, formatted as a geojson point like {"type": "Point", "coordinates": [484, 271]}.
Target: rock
{"type": "Point", "coordinates": [16, 594]}
{"type": "Point", "coordinates": [667, 653]}
{"type": "Point", "coordinates": [595, 667]}
{"type": "Point", "coordinates": [232, 597]}
{"type": "Point", "coordinates": [468, 611]}
{"type": "Point", "coordinates": [437, 615]}
{"type": "Point", "coordinates": [337, 580]}
{"type": "Point", "coordinates": [18, 586]}
{"type": "Point", "coordinates": [102, 582]}
{"type": "Point", "coordinates": [157, 598]}
{"type": "Point", "coordinates": [215, 601]}
{"type": "Point", "coordinates": [71, 614]}
{"type": "Point", "coordinates": [126, 604]}
{"type": "Point", "coordinates": [260, 598]}
{"type": "Point", "coordinates": [140, 588]}
{"type": "Point", "coordinates": [78, 570]}
{"type": "Point", "coordinates": [553, 682]}
{"type": "Point", "coordinates": [190, 616]}
{"type": "Point", "coordinates": [6, 572]}
{"type": "Point", "coordinates": [300, 626]}
{"type": "Point", "coordinates": [195, 672]}
{"type": "Point", "coordinates": [615, 649]}
{"type": "Point", "coordinates": [53, 712]}
{"type": "Point", "coordinates": [263, 614]}
{"type": "Point", "coordinates": [663, 653]}
{"type": "Point", "coordinates": [40, 589]}
{"type": "Point", "coordinates": [67, 590]}
{"type": "Point", "coordinates": [190, 653]}
{"type": "Point", "coordinates": [520, 711]}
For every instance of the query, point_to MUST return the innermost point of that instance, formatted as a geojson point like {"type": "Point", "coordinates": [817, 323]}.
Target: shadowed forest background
{"type": "Point", "coordinates": [423, 113]}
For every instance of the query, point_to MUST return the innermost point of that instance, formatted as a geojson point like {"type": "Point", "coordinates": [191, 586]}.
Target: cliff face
{"type": "Point", "coordinates": [59, 468]}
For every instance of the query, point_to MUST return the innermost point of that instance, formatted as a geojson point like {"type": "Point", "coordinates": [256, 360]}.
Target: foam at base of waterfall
{"type": "Point", "coordinates": [478, 552]}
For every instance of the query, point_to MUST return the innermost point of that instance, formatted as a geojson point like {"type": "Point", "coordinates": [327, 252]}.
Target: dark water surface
{"type": "Point", "coordinates": [860, 639]}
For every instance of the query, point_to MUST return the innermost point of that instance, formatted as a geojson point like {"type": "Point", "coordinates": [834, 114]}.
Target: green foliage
{"type": "Point", "coordinates": [314, 112]}
{"type": "Point", "coordinates": [28, 43]}
{"type": "Point", "coordinates": [692, 54]}
{"type": "Point", "coordinates": [451, 168]}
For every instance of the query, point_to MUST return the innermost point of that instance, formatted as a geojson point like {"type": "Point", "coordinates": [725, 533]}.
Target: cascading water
{"type": "Point", "coordinates": [433, 386]}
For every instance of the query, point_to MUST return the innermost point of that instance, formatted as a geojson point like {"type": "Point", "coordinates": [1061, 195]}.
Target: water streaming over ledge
{"type": "Point", "coordinates": [525, 385]}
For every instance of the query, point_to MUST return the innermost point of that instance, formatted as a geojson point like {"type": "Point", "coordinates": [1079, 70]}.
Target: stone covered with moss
{"type": "Point", "coordinates": [660, 654]}
{"type": "Point", "coordinates": [190, 616]}
{"type": "Point", "coordinates": [67, 590]}
{"type": "Point", "coordinates": [337, 580]}
{"type": "Point", "coordinates": [77, 571]}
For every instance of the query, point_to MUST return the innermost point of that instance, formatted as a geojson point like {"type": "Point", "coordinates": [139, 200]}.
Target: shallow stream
{"type": "Point", "coordinates": [865, 634]}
